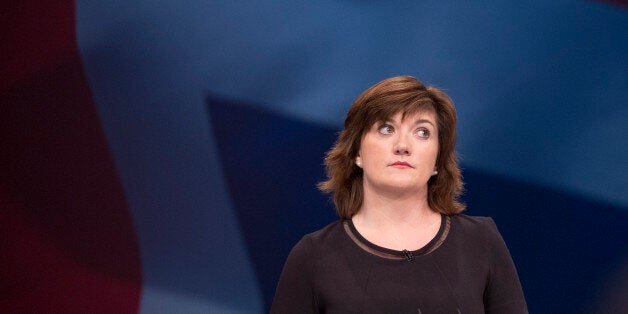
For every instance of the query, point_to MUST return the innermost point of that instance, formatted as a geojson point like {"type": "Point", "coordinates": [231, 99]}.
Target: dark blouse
{"type": "Point", "coordinates": [466, 268]}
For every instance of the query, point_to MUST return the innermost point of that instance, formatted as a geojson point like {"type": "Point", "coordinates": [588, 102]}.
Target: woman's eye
{"type": "Point", "coordinates": [386, 129]}
{"type": "Point", "coordinates": [423, 133]}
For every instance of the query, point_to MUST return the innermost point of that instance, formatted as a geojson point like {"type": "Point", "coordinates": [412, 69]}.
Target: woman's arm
{"type": "Point", "coordinates": [503, 293]}
{"type": "Point", "coordinates": [294, 292]}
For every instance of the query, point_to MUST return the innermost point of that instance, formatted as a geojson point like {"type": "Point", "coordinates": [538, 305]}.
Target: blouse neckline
{"type": "Point", "coordinates": [387, 253]}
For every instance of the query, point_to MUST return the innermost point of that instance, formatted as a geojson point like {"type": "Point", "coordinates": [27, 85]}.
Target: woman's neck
{"type": "Point", "coordinates": [394, 212]}
{"type": "Point", "coordinates": [395, 207]}
{"type": "Point", "coordinates": [396, 221]}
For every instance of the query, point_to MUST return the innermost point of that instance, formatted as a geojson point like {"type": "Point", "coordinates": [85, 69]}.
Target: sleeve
{"type": "Point", "coordinates": [294, 292]}
{"type": "Point", "coordinates": [503, 293]}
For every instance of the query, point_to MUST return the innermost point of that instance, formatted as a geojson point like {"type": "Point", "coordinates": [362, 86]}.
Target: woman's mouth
{"type": "Point", "coordinates": [401, 164]}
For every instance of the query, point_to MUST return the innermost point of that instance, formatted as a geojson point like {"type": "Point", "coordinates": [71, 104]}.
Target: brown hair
{"type": "Point", "coordinates": [403, 94]}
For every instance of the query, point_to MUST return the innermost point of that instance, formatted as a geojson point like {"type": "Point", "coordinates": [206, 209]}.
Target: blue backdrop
{"type": "Point", "coordinates": [218, 113]}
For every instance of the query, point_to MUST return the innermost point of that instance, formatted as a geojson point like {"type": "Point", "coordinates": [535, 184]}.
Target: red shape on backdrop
{"type": "Point", "coordinates": [66, 234]}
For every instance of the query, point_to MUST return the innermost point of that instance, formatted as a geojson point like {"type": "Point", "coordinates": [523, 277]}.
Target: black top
{"type": "Point", "coordinates": [466, 268]}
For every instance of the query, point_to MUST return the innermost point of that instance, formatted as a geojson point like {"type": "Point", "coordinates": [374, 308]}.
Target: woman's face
{"type": "Point", "coordinates": [400, 155]}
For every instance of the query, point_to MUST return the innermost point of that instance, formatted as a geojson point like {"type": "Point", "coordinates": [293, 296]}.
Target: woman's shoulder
{"type": "Point", "coordinates": [473, 222]}
{"type": "Point", "coordinates": [317, 242]}
{"type": "Point", "coordinates": [475, 225]}
{"type": "Point", "coordinates": [329, 233]}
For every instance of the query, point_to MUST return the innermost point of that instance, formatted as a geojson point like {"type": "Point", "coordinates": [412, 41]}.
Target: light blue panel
{"type": "Point", "coordinates": [540, 86]}
{"type": "Point", "coordinates": [151, 103]}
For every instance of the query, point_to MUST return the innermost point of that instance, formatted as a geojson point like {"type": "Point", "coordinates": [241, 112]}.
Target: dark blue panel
{"type": "Point", "coordinates": [564, 245]}
{"type": "Point", "coordinates": [271, 166]}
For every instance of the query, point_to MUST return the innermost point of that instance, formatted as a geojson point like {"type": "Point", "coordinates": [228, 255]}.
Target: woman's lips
{"type": "Point", "coordinates": [401, 164]}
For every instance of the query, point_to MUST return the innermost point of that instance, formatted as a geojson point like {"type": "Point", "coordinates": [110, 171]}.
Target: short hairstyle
{"type": "Point", "coordinates": [383, 100]}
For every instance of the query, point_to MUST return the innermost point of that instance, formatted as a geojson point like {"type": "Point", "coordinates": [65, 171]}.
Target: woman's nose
{"type": "Point", "coordinates": [401, 147]}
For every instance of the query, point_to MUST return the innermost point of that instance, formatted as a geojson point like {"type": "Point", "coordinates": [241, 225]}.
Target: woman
{"type": "Point", "coordinates": [401, 245]}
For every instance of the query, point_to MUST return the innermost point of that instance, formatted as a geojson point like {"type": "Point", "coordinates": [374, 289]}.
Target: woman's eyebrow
{"type": "Point", "coordinates": [419, 121]}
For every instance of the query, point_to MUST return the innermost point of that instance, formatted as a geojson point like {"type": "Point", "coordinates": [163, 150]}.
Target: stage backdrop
{"type": "Point", "coordinates": [162, 157]}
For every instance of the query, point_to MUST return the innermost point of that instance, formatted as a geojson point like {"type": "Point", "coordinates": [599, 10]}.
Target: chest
{"type": "Point", "coordinates": [425, 285]}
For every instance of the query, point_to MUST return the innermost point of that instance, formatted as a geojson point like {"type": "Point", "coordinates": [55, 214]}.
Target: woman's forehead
{"type": "Point", "coordinates": [412, 114]}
